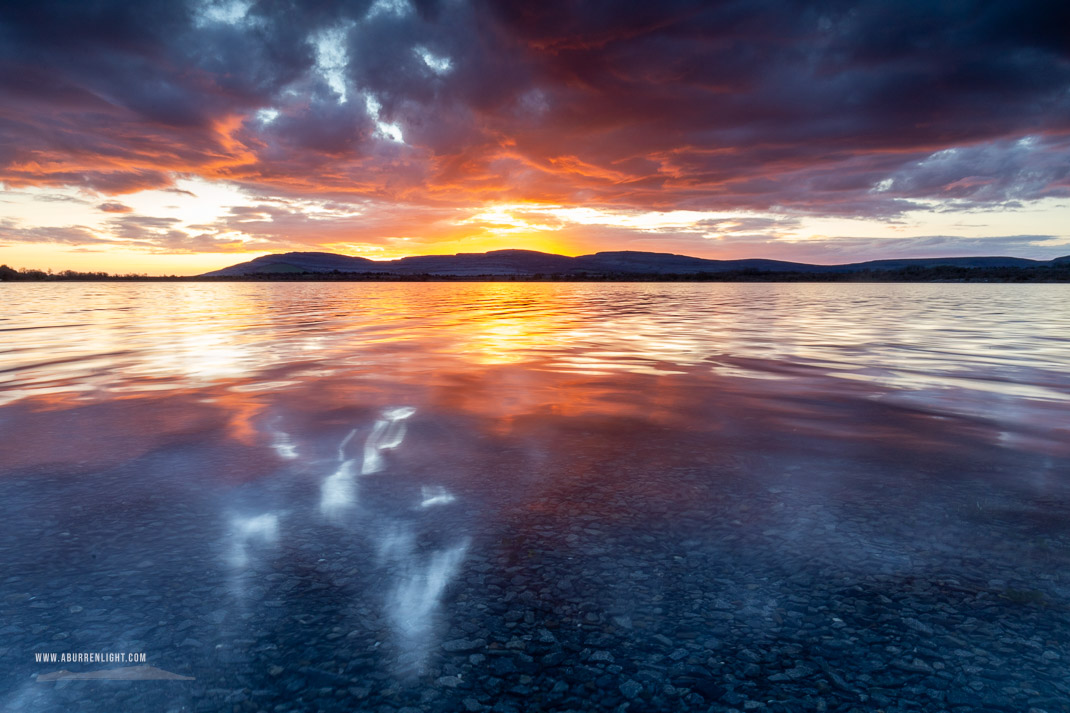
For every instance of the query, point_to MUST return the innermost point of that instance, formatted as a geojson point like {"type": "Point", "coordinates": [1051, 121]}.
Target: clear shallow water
{"type": "Point", "coordinates": [458, 496]}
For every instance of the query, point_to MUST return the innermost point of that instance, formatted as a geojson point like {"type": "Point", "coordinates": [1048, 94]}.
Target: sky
{"type": "Point", "coordinates": [176, 137]}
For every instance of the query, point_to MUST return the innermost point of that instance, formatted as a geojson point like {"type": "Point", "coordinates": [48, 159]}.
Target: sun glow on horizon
{"type": "Point", "coordinates": [159, 231]}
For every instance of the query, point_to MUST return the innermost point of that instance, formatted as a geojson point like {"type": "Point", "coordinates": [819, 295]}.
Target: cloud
{"type": "Point", "coordinates": [69, 235]}
{"type": "Point", "coordinates": [165, 235]}
{"type": "Point", "coordinates": [843, 249]}
{"type": "Point", "coordinates": [299, 225]}
{"type": "Point", "coordinates": [59, 198]}
{"type": "Point", "coordinates": [831, 249]}
{"type": "Point", "coordinates": [114, 207]}
{"type": "Point", "coordinates": [866, 109]}
{"type": "Point", "coordinates": [1029, 168]}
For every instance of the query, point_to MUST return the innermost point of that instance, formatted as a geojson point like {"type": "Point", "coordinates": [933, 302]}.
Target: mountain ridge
{"type": "Point", "coordinates": [531, 263]}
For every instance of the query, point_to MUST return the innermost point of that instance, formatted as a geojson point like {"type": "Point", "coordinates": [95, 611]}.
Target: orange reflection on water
{"type": "Point", "coordinates": [850, 364]}
{"type": "Point", "coordinates": [56, 430]}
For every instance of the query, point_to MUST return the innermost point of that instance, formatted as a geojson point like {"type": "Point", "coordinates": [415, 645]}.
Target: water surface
{"type": "Point", "coordinates": [536, 496]}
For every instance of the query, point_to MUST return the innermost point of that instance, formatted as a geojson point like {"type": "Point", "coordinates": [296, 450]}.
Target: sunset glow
{"type": "Point", "coordinates": [180, 137]}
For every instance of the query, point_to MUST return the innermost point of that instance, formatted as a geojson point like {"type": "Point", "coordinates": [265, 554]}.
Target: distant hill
{"type": "Point", "coordinates": [529, 263]}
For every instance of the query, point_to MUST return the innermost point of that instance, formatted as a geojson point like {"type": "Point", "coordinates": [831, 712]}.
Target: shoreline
{"type": "Point", "coordinates": [1045, 275]}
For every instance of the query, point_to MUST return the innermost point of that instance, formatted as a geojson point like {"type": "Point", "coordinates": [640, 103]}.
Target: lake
{"type": "Point", "coordinates": [509, 496]}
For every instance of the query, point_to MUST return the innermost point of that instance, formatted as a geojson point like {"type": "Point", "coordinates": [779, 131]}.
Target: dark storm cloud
{"type": "Point", "coordinates": [997, 171]}
{"type": "Point", "coordinates": [828, 107]}
{"type": "Point", "coordinates": [766, 104]}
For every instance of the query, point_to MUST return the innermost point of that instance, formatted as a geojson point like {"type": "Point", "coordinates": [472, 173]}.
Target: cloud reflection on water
{"type": "Point", "coordinates": [419, 576]}
{"type": "Point", "coordinates": [420, 579]}
{"type": "Point", "coordinates": [247, 532]}
{"type": "Point", "coordinates": [620, 411]}
{"type": "Point", "coordinates": [339, 491]}
{"type": "Point", "coordinates": [435, 495]}
{"type": "Point", "coordinates": [387, 434]}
